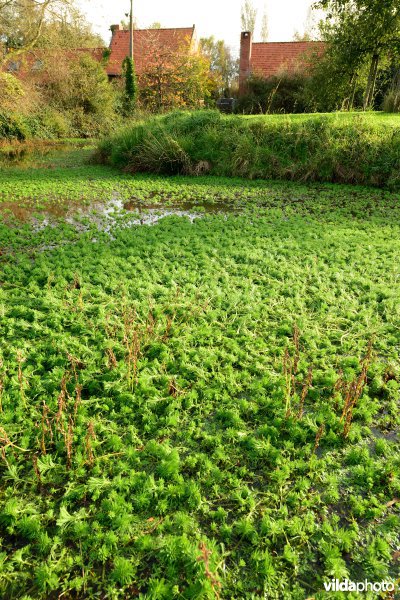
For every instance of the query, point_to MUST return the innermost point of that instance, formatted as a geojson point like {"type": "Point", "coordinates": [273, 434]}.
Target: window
{"type": "Point", "coordinates": [38, 65]}
{"type": "Point", "coordinates": [14, 66]}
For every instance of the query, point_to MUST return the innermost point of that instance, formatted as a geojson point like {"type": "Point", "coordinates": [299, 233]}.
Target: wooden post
{"type": "Point", "coordinates": [244, 61]}
{"type": "Point", "coordinates": [131, 32]}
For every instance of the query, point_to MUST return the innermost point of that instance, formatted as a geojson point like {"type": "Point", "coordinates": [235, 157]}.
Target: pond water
{"type": "Point", "coordinates": [94, 195]}
{"type": "Point", "coordinates": [105, 215]}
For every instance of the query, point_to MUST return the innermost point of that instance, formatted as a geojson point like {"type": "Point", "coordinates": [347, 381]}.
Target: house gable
{"type": "Point", "coordinates": [145, 41]}
{"type": "Point", "coordinates": [268, 59]}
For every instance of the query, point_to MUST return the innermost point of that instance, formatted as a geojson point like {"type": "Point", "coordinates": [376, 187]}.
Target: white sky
{"type": "Point", "coordinates": [220, 18]}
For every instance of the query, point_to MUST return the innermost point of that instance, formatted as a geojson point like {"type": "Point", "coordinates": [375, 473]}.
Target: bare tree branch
{"type": "Point", "coordinates": [41, 9]}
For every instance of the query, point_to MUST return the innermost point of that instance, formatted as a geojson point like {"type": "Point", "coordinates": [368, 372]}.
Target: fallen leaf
{"type": "Point", "coordinates": [392, 502]}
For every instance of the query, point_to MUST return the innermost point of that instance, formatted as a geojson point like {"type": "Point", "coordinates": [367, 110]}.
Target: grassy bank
{"type": "Point", "coordinates": [204, 409]}
{"type": "Point", "coordinates": [337, 148]}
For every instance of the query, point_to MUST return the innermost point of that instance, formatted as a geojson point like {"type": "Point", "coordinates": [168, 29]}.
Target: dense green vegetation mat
{"type": "Point", "coordinates": [354, 148]}
{"type": "Point", "coordinates": [203, 409]}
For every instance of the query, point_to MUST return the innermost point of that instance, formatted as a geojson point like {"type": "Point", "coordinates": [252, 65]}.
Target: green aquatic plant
{"type": "Point", "coordinates": [191, 409]}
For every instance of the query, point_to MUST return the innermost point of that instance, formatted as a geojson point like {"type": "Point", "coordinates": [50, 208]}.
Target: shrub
{"type": "Point", "coordinates": [130, 92]}
{"type": "Point", "coordinates": [284, 93]}
{"type": "Point", "coordinates": [14, 126]}
{"type": "Point", "coordinates": [88, 125]}
{"type": "Point", "coordinates": [55, 123]}
{"type": "Point", "coordinates": [79, 88]}
{"type": "Point", "coordinates": [74, 99]}
{"type": "Point", "coordinates": [391, 103]}
{"type": "Point", "coordinates": [18, 96]}
{"type": "Point", "coordinates": [79, 83]}
{"type": "Point", "coordinates": [12, 91]}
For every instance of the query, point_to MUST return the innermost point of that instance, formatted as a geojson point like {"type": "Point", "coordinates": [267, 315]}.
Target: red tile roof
{"type": "Point", "coordinates": [268, 58]}
{"type": "Point", "coordinates": [145, 41]}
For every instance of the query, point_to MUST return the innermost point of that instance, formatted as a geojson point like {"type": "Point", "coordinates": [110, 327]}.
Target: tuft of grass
{"type": "Point", "coordinates": [391, 103]}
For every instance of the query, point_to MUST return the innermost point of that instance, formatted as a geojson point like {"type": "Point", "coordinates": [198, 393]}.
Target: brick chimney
{"type": "Point", "coordinates": [244, 63]}
{"type": "Point", "coordinates": [115, 28]}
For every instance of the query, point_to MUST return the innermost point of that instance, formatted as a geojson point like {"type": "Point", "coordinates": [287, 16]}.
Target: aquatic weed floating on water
{"type": "Point", "coordinates": [146, 442]}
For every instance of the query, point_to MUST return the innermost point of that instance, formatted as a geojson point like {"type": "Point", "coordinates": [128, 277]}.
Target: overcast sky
{"type": "Point", "coordinates": [220, 18]}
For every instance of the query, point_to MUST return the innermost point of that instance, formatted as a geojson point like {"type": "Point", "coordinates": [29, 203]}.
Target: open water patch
{"type": "Point", "coordinates": [105, 215]}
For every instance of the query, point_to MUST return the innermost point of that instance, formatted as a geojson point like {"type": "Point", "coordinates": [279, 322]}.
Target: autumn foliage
{"type": "Point", "coordinates": [174, 78]}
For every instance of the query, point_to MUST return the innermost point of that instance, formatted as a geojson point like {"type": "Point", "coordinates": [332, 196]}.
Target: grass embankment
{"type": "Point", "coordinates": [194, 410]}
{"type": "Point", "coordinates": [337, 148]}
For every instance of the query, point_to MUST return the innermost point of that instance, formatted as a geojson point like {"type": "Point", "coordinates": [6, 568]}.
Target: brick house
{"type": "Point", "coordinates": [267, 59]}
{"type": "Point", "coordinates": [145, 45]}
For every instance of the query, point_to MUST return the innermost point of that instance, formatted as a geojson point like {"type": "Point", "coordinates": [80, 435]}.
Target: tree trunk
{"type": "Point", "coordinates": [396, 80]}
{"type": "Point", "coordinates": [370, 91]}
{"type": "Point", "coordinates": [353, 92]}
{"type": "Point", "coordinates": [349, 100]}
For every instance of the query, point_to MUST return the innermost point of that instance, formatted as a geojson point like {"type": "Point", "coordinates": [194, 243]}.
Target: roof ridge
{"type": "Point", "coordinates": [291, 42]}
{"type": "Point", "coordinates": [156, 29]}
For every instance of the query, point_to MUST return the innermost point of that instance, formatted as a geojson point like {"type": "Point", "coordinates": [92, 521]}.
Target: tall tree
{"type": "Point", "coordinates": [223, 66]}
{"type": "Point", "coordinates": [365, 31]}
{"type": "Point", "coordinates": [265, 25]}
{"type": "Point", "coordinates": [248, 16]}
{"type": "Point", "coordinates": [310, 28]}
{"type": "Point", "coordinates": [68, 29]}
{"type": "Point", "coordinates": [22, 22]}
{"type": "Point", "coordinates": [173, 78]}
{"type": "Point", "coordinates": [26, 24]}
